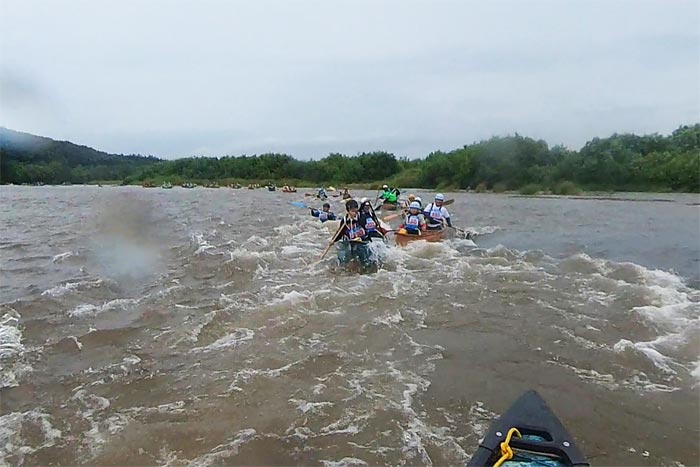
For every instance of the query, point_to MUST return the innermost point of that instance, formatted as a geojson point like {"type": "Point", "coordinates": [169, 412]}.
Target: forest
{"type": "Point", "coordinates": [621, 162]}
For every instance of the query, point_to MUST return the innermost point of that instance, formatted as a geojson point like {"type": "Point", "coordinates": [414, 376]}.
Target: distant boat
{"type": "Point", "coordinates": [166, 186]}
{"type": "Point", "coordinates": [188, 185]}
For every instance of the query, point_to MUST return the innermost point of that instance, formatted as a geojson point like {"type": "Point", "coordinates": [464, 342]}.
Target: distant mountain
{"type": "Point", "coordinates": [26, 158]}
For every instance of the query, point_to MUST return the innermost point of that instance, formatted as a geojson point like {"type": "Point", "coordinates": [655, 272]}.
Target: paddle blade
{"type": "Point", "coordinates": [298, 204]}
{"type": "Point", "coordinates": [448, 202]}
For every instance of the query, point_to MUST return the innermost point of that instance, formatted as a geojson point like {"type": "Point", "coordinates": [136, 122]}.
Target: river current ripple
{"type": "Point", "coordinates": [194, 327]}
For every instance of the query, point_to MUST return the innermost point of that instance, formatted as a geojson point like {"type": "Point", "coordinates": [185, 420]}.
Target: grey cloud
{"type": "Point", "coordinates": [181, 78]}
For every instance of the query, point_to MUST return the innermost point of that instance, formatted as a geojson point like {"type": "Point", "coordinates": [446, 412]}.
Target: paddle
{"type": "Point", "coordinates": [330, 244]}
{"type": "Point", "coordinates": [299, 204]}
{"type": "Point", "coordinates": [391, 217]}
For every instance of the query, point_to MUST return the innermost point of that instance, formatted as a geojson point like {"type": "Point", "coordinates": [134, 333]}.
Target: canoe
{"type": "Point", "coordinates": [403, 239]}
{"type": "Point", "coordinates": [389, 207]}
{"type": "Point", "coordinates": [543, 441]}
{"type": "Point", "coordinates": [357, 257]}
{"type": "Point", "coordinates": [289, 191]}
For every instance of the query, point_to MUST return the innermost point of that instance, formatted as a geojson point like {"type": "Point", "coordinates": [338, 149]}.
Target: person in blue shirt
{"type": "Point", "coordinates": [325, 214]}
{"type": "Point", "coordinates": [369, 221]}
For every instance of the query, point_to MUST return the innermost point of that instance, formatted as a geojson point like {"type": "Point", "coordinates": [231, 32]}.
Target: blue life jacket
{"type": "Point", "coordinates": [323, 216]}
{"type": "Point", "coordinates": [412, 224]}
{"type": "Point", "coordinates": [368, 223]}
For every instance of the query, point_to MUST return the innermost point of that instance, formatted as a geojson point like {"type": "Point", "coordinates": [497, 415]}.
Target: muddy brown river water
{"type": "Point", "coordinates": [194, 327]}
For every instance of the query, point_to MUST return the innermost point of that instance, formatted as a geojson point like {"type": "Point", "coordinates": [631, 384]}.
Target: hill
{"type": "Point", "coordinates": [621, 162]}
{"type": "Point", "coordinates": [26, 158]}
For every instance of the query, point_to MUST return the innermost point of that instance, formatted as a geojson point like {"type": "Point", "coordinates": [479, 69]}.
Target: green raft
{"type": "Point", "coordinates": [534, 435]}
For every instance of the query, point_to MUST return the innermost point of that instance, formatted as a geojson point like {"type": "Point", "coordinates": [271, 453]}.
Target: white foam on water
{"type": "Point", "coordinates": [675, 315]}
{"type": "Point", "coordinates": [344, 462]}
{"type": "Point", "coordinates": [246, 374]}
{"type": "Point", "coordinates": [293, 251]}
{"type": "Point", "coordinates": [61, 256]}
{"type": "Point", "coordinates": [480, 419]}
{"type": "Point", "coordinates": [12, 366]}
{"type": "Point", "coordinates": [243, 254]}
{"type": "Point", "coordinates": [291, 298]}
{"type": "Point", "coordinates": [172, 408]}
{"type": "Point", "coordinates": [87, 309]}
{"type": "Point", "coordinates": [256, 240]}
{"type": "Point", "coordinates": [63, 289]}
{"type": "Point", "coordinates": [637, 382]}
{"type": "Point", "coordinates": [236, 338]}
{"type": "Point", "coordinates": [203, 244]}
{"type": "Point", "coordinates": [100, 429]}
{"type": "Point", "coordinates": [10, 335]}
{"type": "Point", "coordinates": [13, 446]}
{"type": "Point", "coordinates": [195, 329]}
{"type": "Point", "coordinates": [695, 373]}
{"type": "Point", "coordinates": [222, 452]}
{"type": "Point", "coordinates": [310, 407]}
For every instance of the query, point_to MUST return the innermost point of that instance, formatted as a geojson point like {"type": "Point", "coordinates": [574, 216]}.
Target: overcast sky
{"type": "Point", "coordinates": [178, 78]}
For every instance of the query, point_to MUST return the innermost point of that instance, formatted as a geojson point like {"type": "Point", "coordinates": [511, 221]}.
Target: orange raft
{"type": "Point", "coordinates": [403, 239]}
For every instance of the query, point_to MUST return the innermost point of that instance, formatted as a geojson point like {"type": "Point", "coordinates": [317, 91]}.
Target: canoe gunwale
{"type": "Point", "coordinates": [531, 415]}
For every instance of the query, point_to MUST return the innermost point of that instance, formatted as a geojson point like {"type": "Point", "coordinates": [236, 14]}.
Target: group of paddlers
{"type": "Point", "coordinates": [361, 222]}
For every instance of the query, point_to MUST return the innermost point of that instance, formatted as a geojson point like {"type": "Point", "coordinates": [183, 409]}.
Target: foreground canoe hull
{"type": "Point", "coordinates": [402, 239]}
{"type": "Point", "coordinates": [357, 257]}
{"type": "Point", "coordinates": [543, 435]}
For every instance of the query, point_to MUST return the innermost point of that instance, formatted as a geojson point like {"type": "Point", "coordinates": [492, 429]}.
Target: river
{"type": "Point", "coordinates": [195, 327]}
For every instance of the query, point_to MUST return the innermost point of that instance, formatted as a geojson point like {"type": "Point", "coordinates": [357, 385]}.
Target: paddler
{"type": "Point", "coordinates": [346, 194]}
{"type": "Point", "coordinates": [324, 214]}
{"type": "Point", "coordinates": [350, 228]}
{"type": "Point", "coordinates": [436, 214]}
{"type": "Point", "coordinates": [389, 195]}
{"type": "Point", "coordinates": [413, 220]}
{"type": "Point", "coordinates": [353, 236]}
{"type": "Point", "coordinates": [322, 193]}
{"type": "Point", "coordinates": [369, 221]}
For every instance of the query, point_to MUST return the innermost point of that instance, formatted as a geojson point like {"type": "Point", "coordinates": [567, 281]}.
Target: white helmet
{"type": "Point", "coordinates": [439, 197]}
{"type": "Point", "coordinates": [385, 186]}
{"type": "Point", "coordinates": [418, 200]}
{"type": "Point", "coordinates": [363, 200]}
{"type": "Point", "coordinates": [414, 205]}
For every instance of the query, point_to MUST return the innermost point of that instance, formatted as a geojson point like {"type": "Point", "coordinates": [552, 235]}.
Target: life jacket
{"type": "Point", "coordinates": [434, 215]}
{"type": "Point", "coordinates": [353, 229]}
{"type": "Point", "coordinates": [412, 223]}
{"type": "Point", "coordinates": [326, 216]}
{"type": "Point", "coordinates": [368, 222]}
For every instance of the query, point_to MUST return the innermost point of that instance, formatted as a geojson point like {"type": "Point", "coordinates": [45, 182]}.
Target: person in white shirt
{"type": "Point", "coordinates": [436, 215]}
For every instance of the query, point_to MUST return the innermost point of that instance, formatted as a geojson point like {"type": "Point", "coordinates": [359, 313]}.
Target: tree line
{"type": "Point", "coordinates": [620, 162]}
{"type": "Point", "coordinates": [26, 158]}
